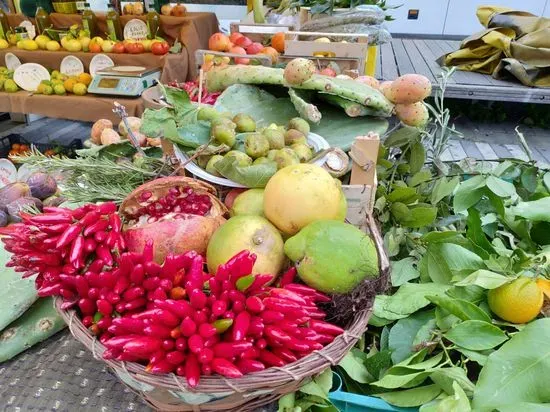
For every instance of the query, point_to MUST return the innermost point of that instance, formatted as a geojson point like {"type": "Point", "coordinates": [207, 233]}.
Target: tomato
{"type": "Point", "coordinates": [135, 48]}
{"type": "Point", "coordinates": [160, 47]}
{"type": "Point", "coordinates": [119, 48]}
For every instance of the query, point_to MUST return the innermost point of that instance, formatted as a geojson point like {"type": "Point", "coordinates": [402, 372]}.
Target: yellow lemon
{"type": "Point", "coordinates": [52, 45]}
{"type": "Point", "coordinates": [10, 86]}
{"type": "Point", "coordinates": [69, 84]}
{"type": "Point", "coordinates": [47, 90]}
{"type": "Point", "coordinates": [59, 89]}
{"type": "Point", "coordinates": [20, 44]}
{"type": "Point", "coordinates": [40, 88]}
{"type": "Point", "coordinates": [42, 40]}
{"type": "Point", "coordinates": [55, 74]}
{"type": "Point", "coordinates": [519, 301]}
{"type": "Point", "coordinates": [85, 42]}
{"type": "Point", "coordinates": [544, 285]}
{"type": "Point", "coordinates": [73, 45]}
{"type": "Point", "coordinates": [85, 78]}
{"type": "Point", "coordinates": [12, 38]}
{"type": "Point", "coordinates": [30, 45]}
{"type": "Point", "coordinates": [4, 44]}
{"type": "Point", "coordinates": [147, 44]}
{"type": "Point", "coordinates": [80, 89]}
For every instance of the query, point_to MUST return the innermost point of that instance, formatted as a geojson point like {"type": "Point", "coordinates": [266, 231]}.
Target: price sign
{"type": "Point", "coordinates": [100, 62]}
{"type": "Point", "coordinates": [12, 61]}
{"type": "Point", "coordinates": [71, 66]}
{"type": "Point", "coordinates": [31, 30]}
{"type": "Point", "coordinates": [135, 29]}
{"type": "Point", "coordinates": [8, 172]}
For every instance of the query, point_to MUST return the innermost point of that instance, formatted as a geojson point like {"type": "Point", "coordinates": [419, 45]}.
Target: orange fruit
{"type": "Point", "coordinates": [85, 78]}
{"type": "Point", "coordinates": [519, 301]}
{"type": "Point", "coordinates": [69, 84]}
{"type": "Point", "coordinates": [278, 42]}
{"type": "Point", "coordinates": [544, 285]}
{"type": "Point", "coordinates": [271, 52]}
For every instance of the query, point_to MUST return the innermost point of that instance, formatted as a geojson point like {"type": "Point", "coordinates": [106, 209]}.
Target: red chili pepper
{"type": "Point", "coordinates": [230, 349]}
{"type": "Point", "coordinates": [87, 321]}
{"type": "Point", "coordinates": [81, 285]}
{"type": "Point", "coordinates": [287, 277]}
{"type": "Point", "coordinates": [98, 226]}
{"type": "Point", "coordinates": [142, 346]}
{"type": "Point", "coordinates": [180, 308]}
{"type": "Point", "coordinates": [200, 317]}
{"type": "Point", "coordinates": [168, 344]}
{"type": "Point", "coordinates": [68, 236]}
{"type": "Point", "coordinates": [118, 342]}
{"type": "Point", "coordinates": [101, 236]}
{"type": "Point", "coordinates": [106, 208]}
{"type": "Point", "coordinates": [121, 284]}
{"type": "Point", "coordinates": [198, 299]}
{"type": "Point", "coordinates": [240, 326]}
{"type": "Point", "coordinates": [166, 285]}
{"type": "Point", "coordinates": [222, 273]}
{"type": "Point", "coordinates": [207, 330]}
{"type": "Point", "coordinates": [87, 306]}
{"type": "Point", "coordinates": [137, 274]}
{"type": "Point", "coordinates": [297, 345]}
{"type": "Point", "coordinates": [160, 315]}
{"type": "Point", "coordinates": [51, 219]}
{"type": "Point", "coordinates": [252, 353]}
{"type": "Point", "coordinates": [195, 343]}
{"type": "Point", "coordinates": [107, 280]}
{"type": "Point", "coordinates": [205, 355]}
{"type": "Point", "coordinates": [210, 342]}
{"type": "Point", "coordinates": [151, 283]}
{"type": "Point", "coordinates": [181, 344]}
{"type": "Point", "coordinates": [241, 264]}
{"type": "Point", "coordinates": [287, 295]}
{"type": "Point", "coordinates": [188, 327]}
{"type": "Point", "coordinates": [51, 290]}
{"type": "Point", "coordinates": [96, 266]}
{"type": "Point", "coordinates": [104, 322]}
{"type": "Point", "coordinates": [133, 293]}
{"type": "Point", "coordinates": [225, 368]}
{"type": "Point", "coordinates": [134, 304]}
{"type": "Point", "coordinates": [111, 240]}
{"type": "Point", "coordinates": [157, 294]}
{"type": "Point", "coordinates": [259, 282]}
{"type": "Point", "coordinates": [152, 268]}
{"type": "Point", "coordinates": [192, 371]}
{"type": "Point", "coordinates": [272, 316]}
{"type": "Point", "coordinates": [325, 328]}
{"type": "Point", "coordinates": [157, 331]}
{"type": "Point", "coordinates": [277, 334]}
{"type": "Point", "coordinates": [89, 219]}
{"type": "Point", "coordinates": [175, 357]}
{"type": "Point", "coordinates": [55, 229]}
{"type": "Point", "coordinates": [148, 251]}
{"type": "Point", "coordinates": [129, 324]}
{"type": "Point", "coordinates": [104, 254]}
{"type": "Point", "coordinates": [269, 358]}
{"type": "Point", "coordinates": [285, 354]}
{"type": "Point", "coordinates": [126, 357]}
{"type": "Point", "coordinates": [219, 307]}
{"type": "Point", "coordinates": [157, 357]}
{"type": "Point", "coordinates": [249, 366]}
{"type": "Point", "coordinates": [254, 304]}
{"type": "Point", "coordinates": [161, 367]}
{"type": "Point", "coordinates": [110, 354]}
{"type": "Point", "coordinates": [115, 223]}
{"type": "Point", "coordinates": [104, 307]}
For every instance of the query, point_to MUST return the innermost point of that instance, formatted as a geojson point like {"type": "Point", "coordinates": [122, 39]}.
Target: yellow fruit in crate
{"type": "Point", "coordinates": [107, 46]}
{"type": "Point", "coordinates": [42, 40]}
{"type": "Point", "coordinates": [59, 90]}
{"type": "Point", "coordinates": [322, 40]}
{"type": "Point", "coordinates": [85, 42]}
{"type": "Point", "coordinates": [40, 88]}
{"type": "Point", "coordinates": [64, 41]}
{"type": "Point", "coordinates": [80, 89]}
{"type": "Point", "coordinates": [69, 84]}
{"type": "Point", "coordinates": [20, 44]}
{"type": "Point", "coordinates": [83, 33]}
{"type": "Point", "coordinates": [519, 301]}
{"type": "Point", "coordinates": [47, 90]}
{"type": "Point", "coordinates": [147, 45]}
{"type": "Point", "coordinates": [85, 78]}
{"type": "Point", "coordinates": [55, 74]}
{"type": "Point", "coordinates": [10, 86]}
{"type": "Point", "coordinates": [96, 40]}
{"type": "Point", "coordinates": [12, 38]}
{"type": "Point", "coordinates": [73, 45]}
{"type": "Point", "coordinates": [30, 45]}
{"type": "Point", "coordinates": [55, 82]}
{"type": "Point", "coordinates": [52, 45]}
{"type": "Point", "coordinates": [4, 44]}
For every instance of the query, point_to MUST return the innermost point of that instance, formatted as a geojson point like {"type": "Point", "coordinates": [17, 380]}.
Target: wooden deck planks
{"type": "Point", "coordinates": [389, 67]}
{"type": "Point", "coordinates": [404, 64]}
{"type": "Point", "coordinates": [418, 61]}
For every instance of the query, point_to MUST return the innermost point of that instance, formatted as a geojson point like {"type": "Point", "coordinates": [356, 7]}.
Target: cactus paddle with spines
{"type": "Point", "coordinates": [38, 323]}
{"type": "Point", "coordinates": [305, 109]}
{"type": "Point", "coordinates": [352, 109]}
{"type": "Point", "coordinates": [221, 78]}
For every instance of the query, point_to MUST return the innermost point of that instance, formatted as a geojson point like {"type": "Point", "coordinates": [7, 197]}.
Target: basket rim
{"type": "Point", "coordinates": [268, 379]}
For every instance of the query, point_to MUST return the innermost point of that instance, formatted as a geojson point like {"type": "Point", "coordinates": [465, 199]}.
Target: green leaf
{"type": "Point", "coordinates": [411, 397]}
{"type": "Point", "coordinates": [476, 335]}
{"type": "Point", "coordinates": [112, 151]}
{"type": "Point", "coordinates": [400, 211]}
{"type": "Point", "coordinates": [379, 321]}
{"type": "Point", "coordinates": [546, 180]}
{"type": "Point", "coordinates": [437, 268]}
{"type": "Point", "coordinates": [475, 233]}
{"type": "Point", "coordinates": [536, 210]}
{"type": "Point", "coordinates": [518, 371]}
{"type": "Point", "coordinates": [458, 402]}
{"type": "Point", "coordinates": [420, 217]}
{"type": "Point", "coordinates": [378, 363]}
{"type": "Point", "coordinates": [444, 320]}
{"type": "Point", "coordinates": [403, 195]}
{"type": "Point", "coordinates": [443, 188]}
{"type": "Point", "coordinates": [159, 123]}
{"type": "Point", "coordinates": [403, 333]}
{"type": "Point", "coordinates": [312, 388]}
{"type": "Point", "coordinates": [500, 187]}
{"type": "Point", "coordinates": [355, 368]}
{"type": "Point", "coordinates": [324, 380]}
{"type": "Point", "coordinates": [445, 377]}
{"type": "Point", "coordinates": [477, 356]}
{"type": "Point", "coordinates": [177, 98]}
{"type": "Point", "coordinates": [462, 309]}
{"type": "Point", "coordinates": [449, 236]}
{"type": "Point", "coordinates": [525, 407]}
{"type": "Point", "coordinates": [422, 176]}
{"type": "Point", "coordinates": [529, 179]}
{"type": "Point", "coordinates": [417, 157]}
{"type": "Point", "coordinates": [402, 136]}
{"type": "Point", "coordinates": [193, 134]}
{"type": "Point", "coordinates": [402, 271]}
{"type": "Point", "coordinates": [384, 339]}
{"type": "Point", "coordinates": [409, 372]}
{"type": "Point", "coordinates": [468, 193]}
{"type": "Point", "coordinates": [409, 298]}
{"type": "Point", "coordinates": [471, 293]}
{"type": "Point", "coordinates": [254, 176]}
{"type": "Point", "coordinates": [484, 278]}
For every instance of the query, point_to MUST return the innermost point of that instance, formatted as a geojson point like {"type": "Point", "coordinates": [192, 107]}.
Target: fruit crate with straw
{"type": "Point", "coordinates": [328, 48]}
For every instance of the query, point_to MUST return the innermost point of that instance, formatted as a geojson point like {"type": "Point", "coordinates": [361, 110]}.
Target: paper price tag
{"type": "Point", "coordinates": [135, 29]}
{"type": "Point", "coordinates": [71, 66]}
{"type": "Point", "coordinates": [100, 62]}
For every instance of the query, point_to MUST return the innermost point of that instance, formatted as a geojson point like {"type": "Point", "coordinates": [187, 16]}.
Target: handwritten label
{"type": "Point", "coordinates": [71, 66]}
{"type": "Point", "coordinates": [100, 62]}
{"type": "Point", "coordinates": [8, 172]}
{"type": "Point", "coordinates": [31, 30]}
{"type": "Point", "coordinates": [12, 61]}
{"type": "Point", "coordinates": [135, 29]}
{"type": "Point", "coordinates": [29, 75]}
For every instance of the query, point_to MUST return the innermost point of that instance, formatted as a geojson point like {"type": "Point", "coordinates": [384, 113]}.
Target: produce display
{"type": "Point", "coordinates": [104, 133]}
{"type": "Point", "coordinates": [7, 84]}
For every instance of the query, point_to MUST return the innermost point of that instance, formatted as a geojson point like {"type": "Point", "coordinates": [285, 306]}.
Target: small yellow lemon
{"type": "Point", "coordinates": [20, 44]}
{"type": "Point", "coordinates": [519, 301]}
{"type": "Point", "coordinates": [80, 89]}
{"type": "Point", "coordinates": [47, 90]}
{"type": "Point", "coordinates": [10, 86]}
{"type": "Point", "coordinates": [42, 40]}
{"type": "Point", "coordinates": [85, 78]}
{"type": "Point", "coordinates": [85, 42]}
{"type": "Point", "coordinates": [4, 44]}
{"type": "Point", "coordinates": [30, 45]}
{"type": "Point", "coordinates": [40, 88]}
{"type": "Point", "coordinates": [69, 84]}
{"type": "Point", "coordinates": [52, 45]}
{"type": "Point", "coordinates": [59, 89]}
{"type": "Point", "coordinates": [55, 74]}
{"type": "Point", "coordinates": [73, 45]}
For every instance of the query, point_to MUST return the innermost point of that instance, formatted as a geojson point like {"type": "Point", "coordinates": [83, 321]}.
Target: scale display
{"type": "Point", "coordinates": [128, 81]}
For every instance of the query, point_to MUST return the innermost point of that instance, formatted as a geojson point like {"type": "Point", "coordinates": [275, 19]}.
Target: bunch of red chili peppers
{"type": "Point", "coordinates": [172, 317]}
{"type": "Point", "coordinates": [192, 89]}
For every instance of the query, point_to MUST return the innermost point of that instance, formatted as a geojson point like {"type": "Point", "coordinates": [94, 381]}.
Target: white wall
{"type": "Point", "coordinates": [431, 16]}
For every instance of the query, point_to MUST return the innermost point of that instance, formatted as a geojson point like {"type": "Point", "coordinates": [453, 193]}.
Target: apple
{"type": "Point", "coordinates": [234, 37]}
{"type": "Point", "coordinates": [219, 42]}
{"type": "Point", "coordinates": [254, 48]}
{"type": "Point", "coordinates": [107, 46]}
{"type": "Point", "coordinates": [328, 71]}
{"type": "Point", "coordinates": [85, 42]}
{"type": "Point", "coordinates": [97, 40]}
{"type": "Point", "coordinates": [119, 48]}
{"type": "Point", "coordinates": [239, 50]}
{"type": "Point", "coordinates": [243, 42]}
{"type": "Point", "coordinates": [95, 48]}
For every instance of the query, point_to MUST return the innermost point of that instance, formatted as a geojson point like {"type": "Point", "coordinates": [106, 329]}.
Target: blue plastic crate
{"type": "Point", "coordinates": [351, 402]}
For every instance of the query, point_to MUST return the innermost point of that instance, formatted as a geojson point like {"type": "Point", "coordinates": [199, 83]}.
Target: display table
{"type": "Point", "coordinates": [192, 30]}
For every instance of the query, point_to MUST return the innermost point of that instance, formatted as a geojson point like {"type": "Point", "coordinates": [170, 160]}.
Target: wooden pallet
{"type": "Point", "coordinates": [403, 56]}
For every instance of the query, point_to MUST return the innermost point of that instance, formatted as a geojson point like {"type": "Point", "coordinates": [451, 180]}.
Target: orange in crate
{"type": "Point", "coordinates": [278, 42]}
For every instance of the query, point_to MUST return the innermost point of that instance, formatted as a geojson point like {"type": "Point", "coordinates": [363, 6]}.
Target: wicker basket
{"type": "Point", "coordinates": [216, 393]}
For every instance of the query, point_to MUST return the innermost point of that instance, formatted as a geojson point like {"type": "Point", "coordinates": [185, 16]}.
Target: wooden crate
{"type": "Point", "coordinates": [259, 32]}
{"type": "Point", "coordinates": [348, 56]}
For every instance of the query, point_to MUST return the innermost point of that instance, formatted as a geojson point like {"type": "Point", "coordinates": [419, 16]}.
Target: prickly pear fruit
{"type": "Point", "coordinates": [384, 87]}
{"type": "Point", "coordinates": [369, 81]}
{"type": "Point", "coordinates": [250, 202]}
{"type": "Point", "coordinates": [210, 166]}
{"type": "Point", "coordinates": [224, 134]}
{"type": "Point", "coordinates": [299, 70]}
{"type": "Point", "coordinates": [242, 158]}
{"type": "Point", "coordinates": [285, 157]}
{"type": "Point", "coordinates": [256, 145]}
{"type": "Point", "coordinates": [208, 113]}
{"type": "Point", "coordinates": [262, 160]}
{"type": "Point", "coordinates": [409, 88]}
{"type": "Point", "coordinates": [299, 124]}
{"type": "Point", "coordinates": [244, 123]}
{"type": "Point", "coordinates": [415, 114]}
{"type": "Point", "coordinates": [275, 137]}
{"type": "Point", "coordinates": [317, 247]}
{"type": "Point", "coordinates": [303, 151]}
{"type": "Point", "coordinates": [294, 136]}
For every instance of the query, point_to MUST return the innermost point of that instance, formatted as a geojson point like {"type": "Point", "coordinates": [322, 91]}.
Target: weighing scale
{"type": "Point", "coordinates": [128, 81]}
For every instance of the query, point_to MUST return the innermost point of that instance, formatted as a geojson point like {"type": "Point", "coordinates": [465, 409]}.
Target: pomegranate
{"type": "Point", "coordinates": [177, 213]}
